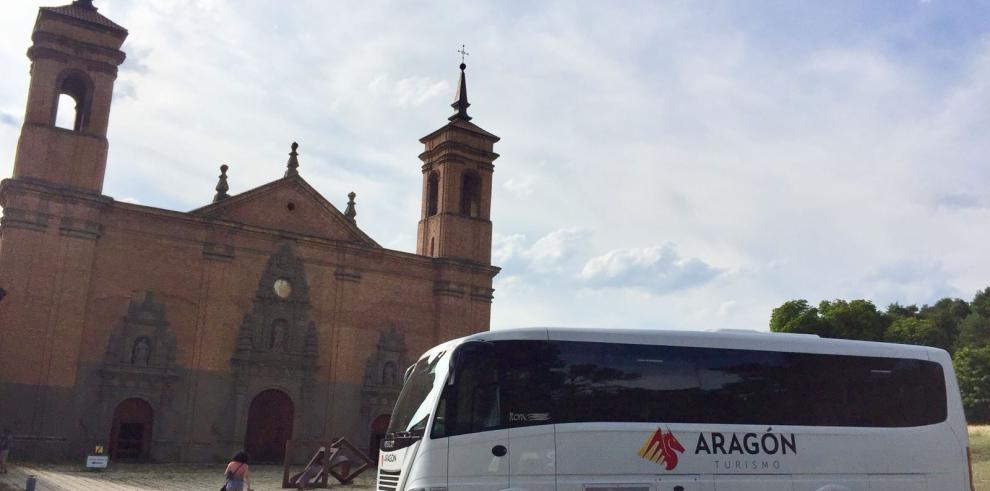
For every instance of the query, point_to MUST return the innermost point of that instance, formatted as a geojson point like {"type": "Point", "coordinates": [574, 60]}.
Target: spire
{"type": "Point", "coordinates": [222, 186]}
{"type": "Point", "coordinates": [293, 163]}
{"type": "Point", "coordinates": [350, 212]}
{"type": "Point", "coordinates": [460, 99]}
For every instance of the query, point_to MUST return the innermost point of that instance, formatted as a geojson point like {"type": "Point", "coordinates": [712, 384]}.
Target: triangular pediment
{"type": "Point", "coordinates": [289, 204]}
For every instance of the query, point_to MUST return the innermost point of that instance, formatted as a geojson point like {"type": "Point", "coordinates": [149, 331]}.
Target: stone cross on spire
{"type": "Point", "coordinates": [460, 99]}
{"type": "Point", "coordinates": [293, 163]}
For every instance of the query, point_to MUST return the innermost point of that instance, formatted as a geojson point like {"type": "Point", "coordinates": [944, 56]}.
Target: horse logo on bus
{"type": "Point", "coordinates": [662, 448]}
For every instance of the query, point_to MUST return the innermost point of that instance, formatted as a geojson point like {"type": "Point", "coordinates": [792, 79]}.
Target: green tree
{"type": "Point", "coordinates": [973, 372]}
{"type": "Point", "coordinates": [912, 330]}
{"type": "Point", "coordinates": [947, 314]}
{"type": "Point", "coordinates": [896, 310]}
{"type": "Point", "coordinates": [797, 316]}
{"type": "Point", "coordinates": [981, 303]}
{"type": "Point", "coordinates": [974, 331]}
{"type": "Point", "coordinates": [856, 319]}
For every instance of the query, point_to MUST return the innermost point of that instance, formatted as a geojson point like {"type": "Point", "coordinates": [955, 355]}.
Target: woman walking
{"type": "Point", "coordinates": [237, 473]}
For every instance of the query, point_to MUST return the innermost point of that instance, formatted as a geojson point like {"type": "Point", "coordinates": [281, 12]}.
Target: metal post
{"type": "Point", "coordinates": [31, 482]}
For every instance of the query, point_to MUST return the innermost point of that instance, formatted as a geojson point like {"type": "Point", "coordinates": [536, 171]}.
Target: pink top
{"type": "Point", "coordinates": [237, 468]}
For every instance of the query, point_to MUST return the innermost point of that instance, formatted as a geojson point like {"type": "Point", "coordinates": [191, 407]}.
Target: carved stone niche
{"type": "Point", "coordinates": [141, 344]}
{"type": "Point", "coordinates": [277, 335]}
{"type": "Point", "coordinates": [383, 375]}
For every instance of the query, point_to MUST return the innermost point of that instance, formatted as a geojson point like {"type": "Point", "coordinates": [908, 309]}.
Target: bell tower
{"type": "Point", "coordinates": [457, 187]}
{"type": "Point", "coordinates": [74, 59]}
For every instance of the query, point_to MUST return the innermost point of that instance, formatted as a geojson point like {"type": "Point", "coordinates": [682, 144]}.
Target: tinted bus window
{"type": "Point", "coordinates": [619, 382]}
{"type": "Point", "coordinates": [472, 403]}
{"type": "Point", "coordinates": [644, 383]}
{"type": "Point", "coordinates": [522, 383]}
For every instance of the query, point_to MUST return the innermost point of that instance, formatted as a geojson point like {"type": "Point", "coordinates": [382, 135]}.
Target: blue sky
{"type": "Point", "coordinates": [664, 164]}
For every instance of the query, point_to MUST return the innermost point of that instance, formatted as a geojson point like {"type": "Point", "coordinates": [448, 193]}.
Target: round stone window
{"type": "Point", "coordinates": [282, 288]}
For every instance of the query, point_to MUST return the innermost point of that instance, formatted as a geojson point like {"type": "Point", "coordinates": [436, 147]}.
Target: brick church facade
{"type": "Point", "coordinates": [257, 318]}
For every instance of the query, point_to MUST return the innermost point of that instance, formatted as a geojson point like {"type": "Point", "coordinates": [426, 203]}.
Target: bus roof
{"type": "Point", "coordinates": [729, 339]}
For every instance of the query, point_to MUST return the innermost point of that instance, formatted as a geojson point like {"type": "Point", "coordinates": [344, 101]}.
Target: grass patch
{"type": "Point", "coordinates": [979, 445]}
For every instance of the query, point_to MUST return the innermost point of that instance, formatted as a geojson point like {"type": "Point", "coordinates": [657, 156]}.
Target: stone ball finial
{"type": "Point", "coordinates": [292, 165]}
{"type": "Point", "coordinates": [86, 4]}
{"type": "Point", "coordinates": [222, 186]}
{"type": "Point", "coordinates": [351, 211]}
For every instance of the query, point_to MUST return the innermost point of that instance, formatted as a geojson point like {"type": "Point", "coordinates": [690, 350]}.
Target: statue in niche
{"type": "Point", "coordinates": [141, 353]}
{"type": "Point", "coordinates": [277, 341]}
{"type": "Point", "coordinates": [388, 374]}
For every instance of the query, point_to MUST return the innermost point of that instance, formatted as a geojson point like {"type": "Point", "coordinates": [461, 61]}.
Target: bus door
{"type": "Point", "coordinates": [478, 462]}
{"type": "Point", "coordinates": [532, 458]}
{"type": "Point", "coordinates": [478, 439]}
{"type": "Point", "coordinates": [526, 385]}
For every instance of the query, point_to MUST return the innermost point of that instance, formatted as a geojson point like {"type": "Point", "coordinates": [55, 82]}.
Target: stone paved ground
{"type": "Point", "coordinates": [145, 477]}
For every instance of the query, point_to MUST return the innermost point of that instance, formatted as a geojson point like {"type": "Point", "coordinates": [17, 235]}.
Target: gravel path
{"type": "Point", "coordinates": [143, 477]}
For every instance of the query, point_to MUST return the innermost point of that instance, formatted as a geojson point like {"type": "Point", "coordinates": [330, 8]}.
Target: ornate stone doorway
{"type": "Point", "coordinates": [378, 427]}
{"type": "Point", "coordinates": [130, 432]}
{"type": "Point", "coordinates": [269, 426]}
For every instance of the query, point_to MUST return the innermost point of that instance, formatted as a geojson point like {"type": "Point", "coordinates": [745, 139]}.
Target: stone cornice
{"type": "Point", "coordinates": [36, 52]}
{"type": "Point", "coordinates": [344, 274]}
{"type": "Point", "coordinates": [25, 219]}
{"type": "Point", "coordinates": [466, 265]}
{"type": "Point", "coordinates": [52, 192]}
{"type": "Point", "coordinates": [450, 146]}
{"type": "Point", "coordinates": [481, 294]}
{"type": "Point", "coordinates": [80, 229]}
{"type": "Point", "coordinates": [218, 252]}
{"type": "Point", "coordinates": [449, 289]}
{"type": "Point", "coordinates": [114, 56]}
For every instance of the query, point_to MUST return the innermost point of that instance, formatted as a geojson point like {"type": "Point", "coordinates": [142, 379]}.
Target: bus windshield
{"type": "Point", "coordinates": [419, 394]}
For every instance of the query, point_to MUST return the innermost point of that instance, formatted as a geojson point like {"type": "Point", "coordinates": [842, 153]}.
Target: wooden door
{"type": "Point", "coordinates": [269, 426]}
{"type": "Point", "coordinates": [130, 432]}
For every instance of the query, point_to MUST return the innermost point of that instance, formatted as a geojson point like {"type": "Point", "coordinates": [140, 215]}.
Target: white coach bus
{"type": "Point", "coordinates": [635, 410]}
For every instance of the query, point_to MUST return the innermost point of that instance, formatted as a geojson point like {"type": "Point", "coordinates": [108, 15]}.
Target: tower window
{"type": "Point", "coordinates": [65, 117]}
{"type": "Point", "coordinates": [432, 193]}
{"type": "Point", "coordinates": [73, 98]}
{"type": "Point", "coordinates": [471, 194]}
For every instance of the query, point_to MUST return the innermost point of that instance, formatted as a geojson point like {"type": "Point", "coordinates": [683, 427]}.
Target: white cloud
{"type": "Point", "coordinates": [658, 269]}
{"type": "Point", "coordinates": [505, 248]}
{"type": "Point", "coordinates": [551, 252]}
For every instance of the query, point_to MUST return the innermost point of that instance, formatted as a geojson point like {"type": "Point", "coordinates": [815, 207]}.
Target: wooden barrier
{"type": "Point", "coordinates": [339, 459]}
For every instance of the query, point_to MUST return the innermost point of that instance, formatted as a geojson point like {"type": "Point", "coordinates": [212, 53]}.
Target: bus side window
{"type": "Point", "coordinates": [471, 404]}
{"type": "Point", "coordinates": [485, 408]}
{"type": "Point", "coordinates": [527, 382]}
